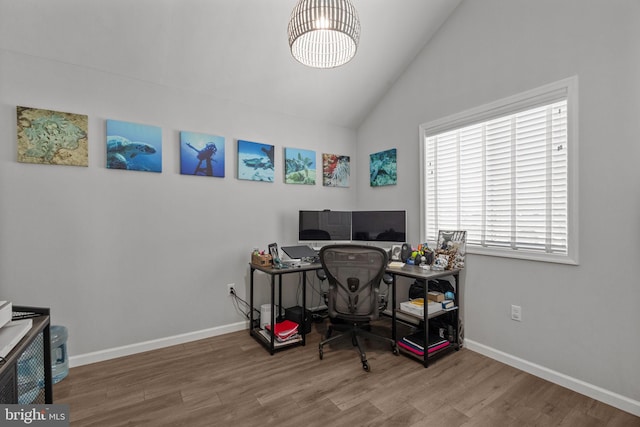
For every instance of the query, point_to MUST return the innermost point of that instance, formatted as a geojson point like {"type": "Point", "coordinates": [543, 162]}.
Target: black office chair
{"type": "Point", "coordinates": [354, 273]}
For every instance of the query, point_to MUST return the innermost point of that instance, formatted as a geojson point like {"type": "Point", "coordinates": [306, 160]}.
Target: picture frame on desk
{"type": "Point", "coordinates": [273, 251]}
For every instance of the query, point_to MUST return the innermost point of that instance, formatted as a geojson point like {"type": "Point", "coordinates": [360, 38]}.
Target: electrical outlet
{"type": "Point", "coordinates": [516, 313]}
{"type": "Point", "coordinates": [231, 287]}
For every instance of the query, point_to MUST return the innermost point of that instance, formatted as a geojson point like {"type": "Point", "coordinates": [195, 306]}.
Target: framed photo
{"type": "Point", "coordinates": [52, 137]}
{"type": "Point", "coordinates": [336, 170]}
{"type": "Point", "coordinates": [383, 168]}
{"type": "Point", "coordinates": [255, 161]}
{"type": "Point", "coordinates": [201, 154]}
{"type": "Point", "coordinates": [132, 146]}
{"type": "Point", "coordinates": [299, 166]}
{"type": "Point", "coordinates": [451, 249]}
{"type": "Point", "coordinates": [273, 251]}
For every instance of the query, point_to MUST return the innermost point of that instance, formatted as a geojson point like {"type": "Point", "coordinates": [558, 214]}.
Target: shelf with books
{"type": "Point", "coordinates": [412, 314]}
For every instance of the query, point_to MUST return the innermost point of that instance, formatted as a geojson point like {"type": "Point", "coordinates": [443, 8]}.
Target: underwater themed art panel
{"type": "Point", "coordinates": [52, 137]}
{"type": "Point", "coordinates": [383, 168]}
{"type": "Point", "coordinates": [336, 170]}
{"type": "Point", "coordinates": [255, 161]}
{"type": "Point", "coordinates": [299, 166]}
{"type": "Point", "coordinates": [133, 146]}
{"type": "Point", "coordinates": [201, 154]}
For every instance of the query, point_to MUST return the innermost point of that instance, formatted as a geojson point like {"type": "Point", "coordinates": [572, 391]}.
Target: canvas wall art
{"type": "Point", "coordinates": [133, 146]}
{"type": "Point", "coordinates": [383, 168]}
{"type": "Point", "coordinates": [335, 170]}
{"type": "Point", "coordinates": [299, 166]}
{"type": "Point", "coordinates": [52, 137]}
{"type": "Point", "coordinates": [201, 154]}
{"type": "Point", "coordinates": [255, 161]}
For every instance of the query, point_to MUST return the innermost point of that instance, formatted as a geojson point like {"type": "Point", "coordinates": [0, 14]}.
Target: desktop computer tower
{"type": "Point", "coordinates": [295, 315]}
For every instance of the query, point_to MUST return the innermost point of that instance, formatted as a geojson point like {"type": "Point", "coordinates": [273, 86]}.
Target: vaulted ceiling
{"type": "Point", "coordinates": [229, 49]}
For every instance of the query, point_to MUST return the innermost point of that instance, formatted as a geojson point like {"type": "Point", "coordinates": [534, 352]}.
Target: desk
{"type": "Point", "coordinates": [254, 331]}
{"type": "Point", "coordinates": [415, 272]}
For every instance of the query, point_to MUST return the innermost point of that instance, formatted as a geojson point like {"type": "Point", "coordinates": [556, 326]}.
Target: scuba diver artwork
{"type": "Point", "coordinates": [133, 146]}
{"type": "Point", "coordinates": [255, 161]}
{"type": "Point", "coordinates": [201, 154]}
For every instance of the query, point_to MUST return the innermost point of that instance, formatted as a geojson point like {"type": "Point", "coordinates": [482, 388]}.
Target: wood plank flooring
{"type": "Point", "coordinates": [231, 380]}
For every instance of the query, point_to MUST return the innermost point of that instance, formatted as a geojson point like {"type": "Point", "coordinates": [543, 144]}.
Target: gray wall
{"type": "Point", "coordinates": [124, 257]}
{"type": "Point", "coordinates": [580, 323]}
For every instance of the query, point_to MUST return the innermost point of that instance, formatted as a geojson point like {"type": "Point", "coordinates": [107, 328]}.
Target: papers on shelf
{"type": "Point", "coordinates": [396, 264]}
{"type": "Point", "coordinates": [284, 329]}
{"type": "Point", "coordinates": [12, 333]}
{"type": "Point", "coordinates": [278, 342]}
{"type": "Point", "coordinates": [6, 312]}
{"type": "Point", "coordinates": [416, 306]}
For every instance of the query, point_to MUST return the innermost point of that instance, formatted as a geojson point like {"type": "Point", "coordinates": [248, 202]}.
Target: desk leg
{"type": "Point", "coordinates": [393, 309]}
{"type": "Point", "coordinates": [456, 302]}
{"type": "Point", "coordinates": [251, 302]}
{"type": "Point", "coordinates": [304, 307]}
{"type": "Point", "coordinates": [273, 314]}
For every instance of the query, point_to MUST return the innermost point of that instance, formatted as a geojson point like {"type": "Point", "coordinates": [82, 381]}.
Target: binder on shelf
{"type": "Point", "coordinates": [284, 329]}
{"type": "Point", "coordinates": [415, 343]}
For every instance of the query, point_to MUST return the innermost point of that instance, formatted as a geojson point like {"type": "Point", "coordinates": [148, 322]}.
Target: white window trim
{"type": "Point", "coordinates": [525, 100]}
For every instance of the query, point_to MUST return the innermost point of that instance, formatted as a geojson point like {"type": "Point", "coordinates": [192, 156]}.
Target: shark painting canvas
{"type": "Point", "coordinates": [133, 146]}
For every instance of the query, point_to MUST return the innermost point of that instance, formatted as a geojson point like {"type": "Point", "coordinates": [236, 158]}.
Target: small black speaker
{"type": "Point", "coordinates": [405, 253]}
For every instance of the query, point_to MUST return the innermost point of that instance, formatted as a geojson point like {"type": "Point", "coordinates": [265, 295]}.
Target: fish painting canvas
{"type": "Point", "coordinates": [299, 166]}
{"type": "Point", "coordinates": [383, 168]}
{"type": "Point", "coordinates": [133, 146]}
{"type": "Point", "coordinates": [255, 161]}
{"type": "Point", "coordinates": [52, 137]}
{"type": "Point", "coordinates": [201, 154]}
{"type": "Point", "coordinates": [336, 170]}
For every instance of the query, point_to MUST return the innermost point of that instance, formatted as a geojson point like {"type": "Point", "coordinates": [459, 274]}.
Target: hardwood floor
{"type": "Point", "coordinates": [231, 380]}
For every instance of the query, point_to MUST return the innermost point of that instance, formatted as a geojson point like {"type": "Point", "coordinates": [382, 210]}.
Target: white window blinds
{"type": "Point", "coordinates": [503, 179]}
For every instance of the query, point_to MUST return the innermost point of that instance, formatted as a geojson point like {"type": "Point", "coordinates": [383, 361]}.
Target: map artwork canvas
{"type": "Point", "coordinates": [201, 154]}
{"type": "Point", "coordinates": [133, 146]}
{"type": "Point", "coordinates": [52, 137]}
{"type": "Point", "coordinates": [255, 161]}
{"type": "Point", "coordinates": [299, 166]}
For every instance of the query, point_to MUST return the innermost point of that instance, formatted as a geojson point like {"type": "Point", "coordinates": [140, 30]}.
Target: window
{"type": "Point", "coordinates": [506, 173]}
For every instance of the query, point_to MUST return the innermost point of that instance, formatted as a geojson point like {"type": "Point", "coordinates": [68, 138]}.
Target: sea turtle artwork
{"type": "Point", "coordinates": [255, 161]}
{"type": "Point", "coordinates": [133, 146]}
{"type": "Point", "coordinates": [300, 167]}
{"type": "Point", "coordinates": [383, 168]}
{"type": "Point", "coordinates": [52, 137]}
{"type": "Point", "coordinates": [120, 151]}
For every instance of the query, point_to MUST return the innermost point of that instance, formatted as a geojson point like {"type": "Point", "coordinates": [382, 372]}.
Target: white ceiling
{"type": "Point", "coordinates": [230, 49]}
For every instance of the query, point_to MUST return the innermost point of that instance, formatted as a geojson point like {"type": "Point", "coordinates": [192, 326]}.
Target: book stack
{"type": "Point", "coordinates": [416, 306]}
{"type": "Point", "coordinates": [284, 331]}
{"type": "Point", "coordinates": [415, 343]}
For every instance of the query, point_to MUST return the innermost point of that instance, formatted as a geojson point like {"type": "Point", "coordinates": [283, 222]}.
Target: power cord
{"type": "Point", "coordinates": [237, 301]}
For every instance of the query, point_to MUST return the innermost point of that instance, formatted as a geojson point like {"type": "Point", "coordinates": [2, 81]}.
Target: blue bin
{"type": "Point", "coordinates": [59, 357]}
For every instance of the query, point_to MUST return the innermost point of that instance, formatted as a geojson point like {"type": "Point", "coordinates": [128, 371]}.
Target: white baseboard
{"type": "Point", "coordinates": [579, 386]}
{"type": "Point", "coordinates": [127, 350]}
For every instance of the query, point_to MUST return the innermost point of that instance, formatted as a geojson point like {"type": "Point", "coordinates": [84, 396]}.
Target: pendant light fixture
{"type": "Point", "coordinates": [324, 33]}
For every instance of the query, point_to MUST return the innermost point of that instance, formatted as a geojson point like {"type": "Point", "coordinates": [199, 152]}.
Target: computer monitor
{"type": "Point", "coordinates": [379, 226]}
{"type": "Point", "coordinates": [326, 225]}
